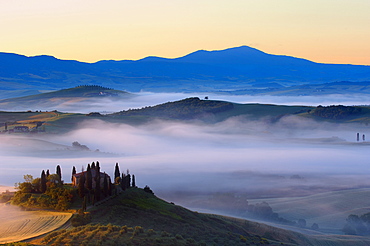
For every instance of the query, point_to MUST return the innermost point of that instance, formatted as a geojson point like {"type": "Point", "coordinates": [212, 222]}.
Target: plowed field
{"type": "Point", "coordinates": [17, 225]}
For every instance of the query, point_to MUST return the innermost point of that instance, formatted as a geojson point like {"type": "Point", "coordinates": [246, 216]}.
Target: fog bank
{"type": "Point", "coordinates": [235, 155]}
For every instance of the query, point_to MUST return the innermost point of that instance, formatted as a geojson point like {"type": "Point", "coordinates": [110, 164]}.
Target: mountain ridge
{"type": "Point", "coordinates": [236, 68]}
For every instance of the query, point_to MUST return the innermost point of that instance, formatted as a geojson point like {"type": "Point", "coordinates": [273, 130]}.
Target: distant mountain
{"type": "Point", "coordinates": [237, 68]}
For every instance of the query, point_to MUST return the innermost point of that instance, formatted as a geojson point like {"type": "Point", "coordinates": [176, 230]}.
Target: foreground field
{"type": "Point", "coordinates": [139, 218]}
{"type": "Point", "coordinates": [17, 225]}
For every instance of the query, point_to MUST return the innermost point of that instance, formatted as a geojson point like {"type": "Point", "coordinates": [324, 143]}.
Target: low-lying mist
{"type": "Point", "coordinates": [255, 157]}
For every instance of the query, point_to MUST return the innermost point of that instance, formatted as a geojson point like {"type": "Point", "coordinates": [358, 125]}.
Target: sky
{"type": "Point", "coordinates": [328, 31]}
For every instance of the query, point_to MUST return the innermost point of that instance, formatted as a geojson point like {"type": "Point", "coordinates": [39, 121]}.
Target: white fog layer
{"type": "Point", "coordinates": [249, 155]}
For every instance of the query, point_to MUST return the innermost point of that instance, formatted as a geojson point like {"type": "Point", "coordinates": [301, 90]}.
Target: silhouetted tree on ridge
{"type": "Point", "coordinates": [116, 171]}
{"type": "Point", "coordinates": [43, 181]}
{"type": "Point", "coordinates": [133, 181]}
{"type": "Point", "coordinates": [73, 172]}
{"type": "Point", "coordinates": [59, 172]}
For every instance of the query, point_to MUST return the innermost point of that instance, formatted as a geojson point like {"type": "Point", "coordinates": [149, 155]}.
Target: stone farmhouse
{"type": "Point", "coordinates": [76, 178]}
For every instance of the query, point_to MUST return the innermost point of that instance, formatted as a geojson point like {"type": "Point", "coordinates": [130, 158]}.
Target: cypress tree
{"type": "Point", "coordinates": [73, 172]}
{"type": "Point", "coordinates": [88, 178]}
{"type": "Point", "coordinates": [81, 186]}
{"type": "Point", "coordinates": [47, 173]}
{"type": "Point", "coordinates": [128, 181]}
{"type": "Point", "coordinates": [116, 172]}
{"type": "Point", "coordinates": [93, 165]}
{"type": "Point", "coordinates": [110, 188]}
{"type": "Point", "coordinates": [105, 186]}
{"type": "Point", "coordinates": [97, 168]}
{"type": "Point", "coordinates": [133, 181]}
{"type": "Point", "coordinates": [123, 181]}
{"type": "Point", "coordinates": [43, 181]}
{"type": "Point", "coordinates": [97, 187]}
{"type": "Point", "coordinates": [59, 172]}
{"type": "Point", "coordinates": [84, 204]}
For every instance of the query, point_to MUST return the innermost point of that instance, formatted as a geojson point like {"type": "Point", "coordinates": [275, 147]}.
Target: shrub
{"type": "Point", "coordinates": [150, 232]}
{"type": "Point", "coordinates": [302, 223]}
{"type": "Point", "coordinates": [190, 240]}
{"type": "Point", "coordinates": [80, 219]}
{"type": "Point", "coordinates": [165, 234]}
{"type": "Point", "coordinates": [315, 226]}
{"type": "Point", "coordinates": [242, 238]}
{"type": "Point", "coordinates": [138, 229]}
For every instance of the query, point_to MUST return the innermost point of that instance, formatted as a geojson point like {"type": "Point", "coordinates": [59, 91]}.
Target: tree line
{"type": "Point", "coordinates": [336, 112]}
{"type": "Point", "coordinates": [47, 191]}
{"type": "Point", "coordinates": [50, 191]}
{"type": "Point", "coordinates": [187, 108]}
{"type": "Point", "coordinates": [357, 225]}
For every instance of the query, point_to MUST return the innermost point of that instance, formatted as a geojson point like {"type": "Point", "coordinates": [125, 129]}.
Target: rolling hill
{"type": "Point", "coordinates": [78, 95]}
{"type": "Point", "coordinates": [189, 109]}
{"type": "Point", "coordinates": [238, 68]}
{"type": "Point", "coordinates": [136, 217]}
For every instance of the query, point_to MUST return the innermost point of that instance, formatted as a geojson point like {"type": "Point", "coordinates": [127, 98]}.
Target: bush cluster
{"type": "Point", "coordinates": [56, 196]}
{"type": "Point", "coordinates": [357, 225]}
{"type": "Point", "coordinates": [336, 112]}
{"type": "Point", "coordinates": [188, 108]}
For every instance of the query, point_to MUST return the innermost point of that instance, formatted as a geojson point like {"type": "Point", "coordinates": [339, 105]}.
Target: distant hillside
{"type": "Point", "coordinates": [240, 68]}
{"type": "Point", "coordinates": [50, 99]}
{"type": "Point", "coordinates": [190, 108]}
{"type": "Point", "coordinates": [207, 111]}
{"type": "Point", "coordinates": [338, 88]}
{"type": "Point", "coordinates": [210, 110]}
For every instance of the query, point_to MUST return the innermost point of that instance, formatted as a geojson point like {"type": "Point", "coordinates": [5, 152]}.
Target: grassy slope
{"type": "Point", "coordinates": [160, 223]}
{"type": "Point", "coordinates": [212, 111]}
{"type": "Point", "coordinates": [138, 208]}
{"type": "Point", "coordinates": [258, 111]}
{"type": "Point", "coordinates": [53, 121]}
{"type": "Point", "coordinates": [139, 218]}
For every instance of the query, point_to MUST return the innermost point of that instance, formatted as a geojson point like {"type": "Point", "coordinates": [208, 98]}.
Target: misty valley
{"type": "Point", "coordinates": [301, 168]}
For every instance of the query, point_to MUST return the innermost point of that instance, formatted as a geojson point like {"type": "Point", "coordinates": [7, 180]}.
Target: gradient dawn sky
{"type": "Point", "coordinates": [329, 31]}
